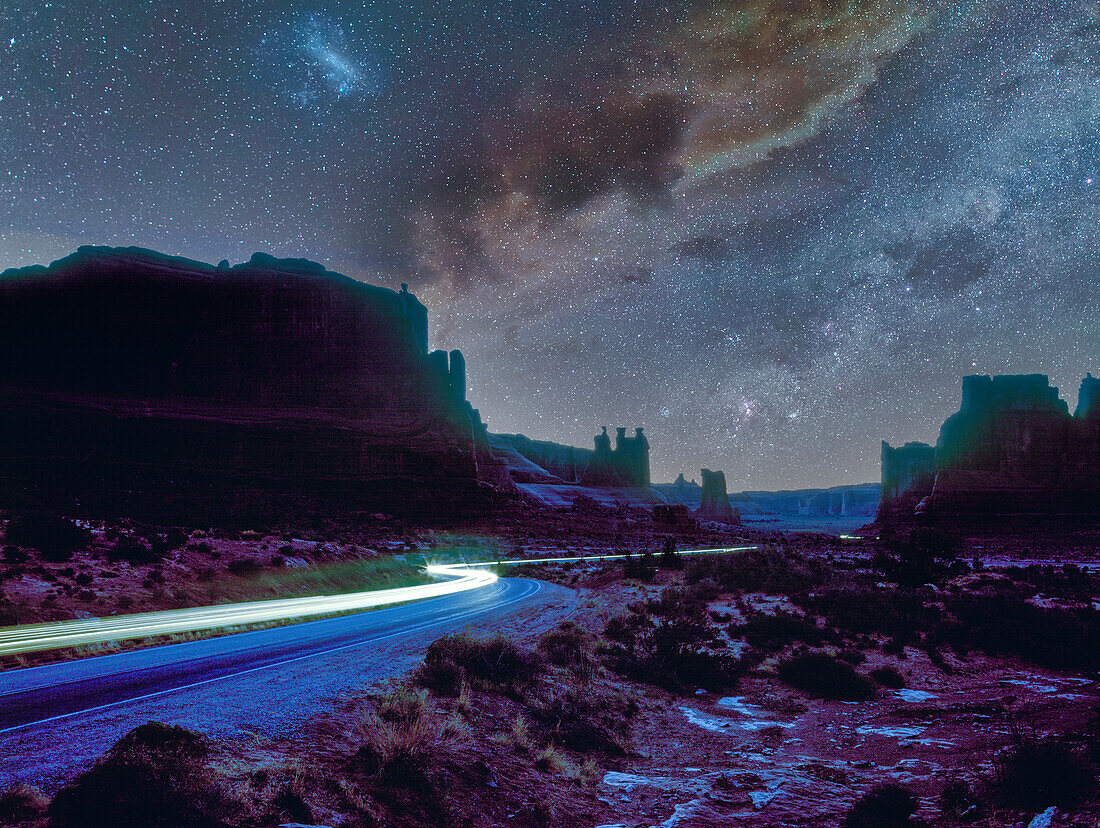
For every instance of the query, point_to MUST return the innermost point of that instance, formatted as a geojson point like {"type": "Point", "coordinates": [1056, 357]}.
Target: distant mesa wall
{"type": "Point", "coordinates": [1012, 450]}
{"type": "Point", "coordinates": [859, 500]}
{"type": "Point", "coordinates": [144, 384]}
{"type": "Point", "coordinates": [856, 500]}
{"type": "Point", "coordinates": [541, 461]}
{"type": "Point", "coordinates": [715, 502]}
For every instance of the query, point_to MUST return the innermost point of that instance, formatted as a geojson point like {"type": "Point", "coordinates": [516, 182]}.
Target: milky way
{"type": "Point", "coordinates": [773, 233]}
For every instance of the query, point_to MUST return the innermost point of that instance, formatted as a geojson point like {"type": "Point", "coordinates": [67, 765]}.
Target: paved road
{"type": "Point", "coordinates": [56, 719]}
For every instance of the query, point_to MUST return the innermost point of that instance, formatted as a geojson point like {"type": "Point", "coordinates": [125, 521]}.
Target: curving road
{"type": "Point", "coordinates": [57, 719]}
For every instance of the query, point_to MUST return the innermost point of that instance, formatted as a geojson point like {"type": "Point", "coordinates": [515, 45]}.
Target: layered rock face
{"type": "Point", "coordinates": [715, 503]}
{"type": "Point", "coordinates": [540, 461]}
{"type": "Point", "coordinates": [908, 473]}
{"type": "Point", "coordinates": [1013, 449]}
{"type": "Point", "coordinates": [141, 384]}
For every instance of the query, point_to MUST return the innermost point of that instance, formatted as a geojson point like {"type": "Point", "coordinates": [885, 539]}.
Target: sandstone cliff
{"type": "Point", "coordinates": [1012, 452]}
{"type": "Point", "coordinates": [142, 384]}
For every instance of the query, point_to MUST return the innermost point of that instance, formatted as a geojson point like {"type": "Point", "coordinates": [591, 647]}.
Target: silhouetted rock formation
{"type": "Point", "coordinates": [908, 473]}
{"type": "Point", "coordinates": [859, 500]}
{"type": "Point", "coordinates": [715, 504]}
{"type": "Point", "coordinates": [1014, 451]}
{"type": "Point", "coordinates": [625, 465]}
{"type": "Point", "coordinates": [142, 384]}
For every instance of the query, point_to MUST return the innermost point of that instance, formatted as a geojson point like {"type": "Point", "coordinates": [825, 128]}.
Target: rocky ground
{"type": "Point", "coordinates": [674, 698]}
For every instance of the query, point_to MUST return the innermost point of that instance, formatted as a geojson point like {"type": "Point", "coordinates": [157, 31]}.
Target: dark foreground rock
{"type": "Point", "coordinates": [145, 385]}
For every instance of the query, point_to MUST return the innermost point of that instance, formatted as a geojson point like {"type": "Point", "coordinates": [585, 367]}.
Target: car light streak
{"type": "Point", "coordinates": [716, 550]}
{"type": "Point", "coordinates": [50, 636]}
{"type": "Point", "coordinates": [460, 577]}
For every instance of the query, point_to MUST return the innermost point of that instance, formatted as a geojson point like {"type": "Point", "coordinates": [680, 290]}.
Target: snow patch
{"type": "Point", "coordinates": [915, 695]}
{"type": "Point", "coordinates": [716, 724]}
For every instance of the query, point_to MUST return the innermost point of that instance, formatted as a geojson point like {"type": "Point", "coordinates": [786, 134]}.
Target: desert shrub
{"type": "Point", "coordinates": [22, 803]}
{"type": "Point", "coordinates": [884, 806]}
{"type": "Point", "coordinates": [1035, 774]}
{"type": "Point", "coordinates": [290, 804]}
{"type": "Point", "coordinates": [1060, 639]}
{"type": "Point", "coordinates": [919, 556]}
{"type": "Point", "coordinates": [54, 537]}
{"type": "Point", "coordinates": [668, 558]}
{"type": "Point", "coordinates": [403, 705]}
{"type": "Point", "coordinates": [853, 657]}
{"type": "Point", "coordinates": [1067, 581]}
{"type": "Point", "coordinates": [670, 642]}
{"type": "Point", "coordinates": [958, 800]}
{"type": "Point", "coordinates": [825, 676]}
{"type": "Point", "coordinates": [587, 721]}
{"type": "Point", "coordinates": [899, 613]}
{"type": "Point", "coordinates": [155, 776]}
{"type": "Point", "coordinates": [894, 646]}
{"type": "Point", "coordinates": [764, 570]}
{"type": "Point", "coordinates": [134, 551]}
{"type": "Point", "coordinates": [84, 578]}
{"type": "Point", "coordinates": [551, 760]}
{"type": "Point", "coordinates": [888, 677]}
{"type": "Point", "coordinates": [244, 566]}
{"type": "Point", "coordinates": [175, 538]}
{"type": "Point", "coordinates": [202, 547]}
{"type": "Point", "coordinates": [398, 757]}
{"type": "Point", "coordinates": [494, 662]}
{"type": "Point", "coordinates": [442, 677]}
{"type": "Point", "coordinates": [774, 632]}
{"type": "Point", "coordinates": [170, 740]}
{"type": "Point", "coordinates": [642, 568]}
{"type": "Point", "coordinates": [568, 646]}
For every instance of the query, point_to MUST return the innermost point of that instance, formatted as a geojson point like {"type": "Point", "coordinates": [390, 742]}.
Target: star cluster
{"type": "Point", "coordinates": [771, 232]}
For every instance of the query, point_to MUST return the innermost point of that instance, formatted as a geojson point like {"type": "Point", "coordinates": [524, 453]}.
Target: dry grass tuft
{"type": "Point", "coordinates": [551, 760]}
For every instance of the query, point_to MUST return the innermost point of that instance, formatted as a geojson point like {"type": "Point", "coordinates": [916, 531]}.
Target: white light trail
{"type": "Point", "coordinates": [716, 550]}
{"type": "Point", "coordinates": [461, 577]}
{"type": "Point", "coordinates": [30, 638]}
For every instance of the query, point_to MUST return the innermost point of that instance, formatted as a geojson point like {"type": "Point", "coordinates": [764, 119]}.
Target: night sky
{"type": "Point", "coordinates": [773, 233]}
